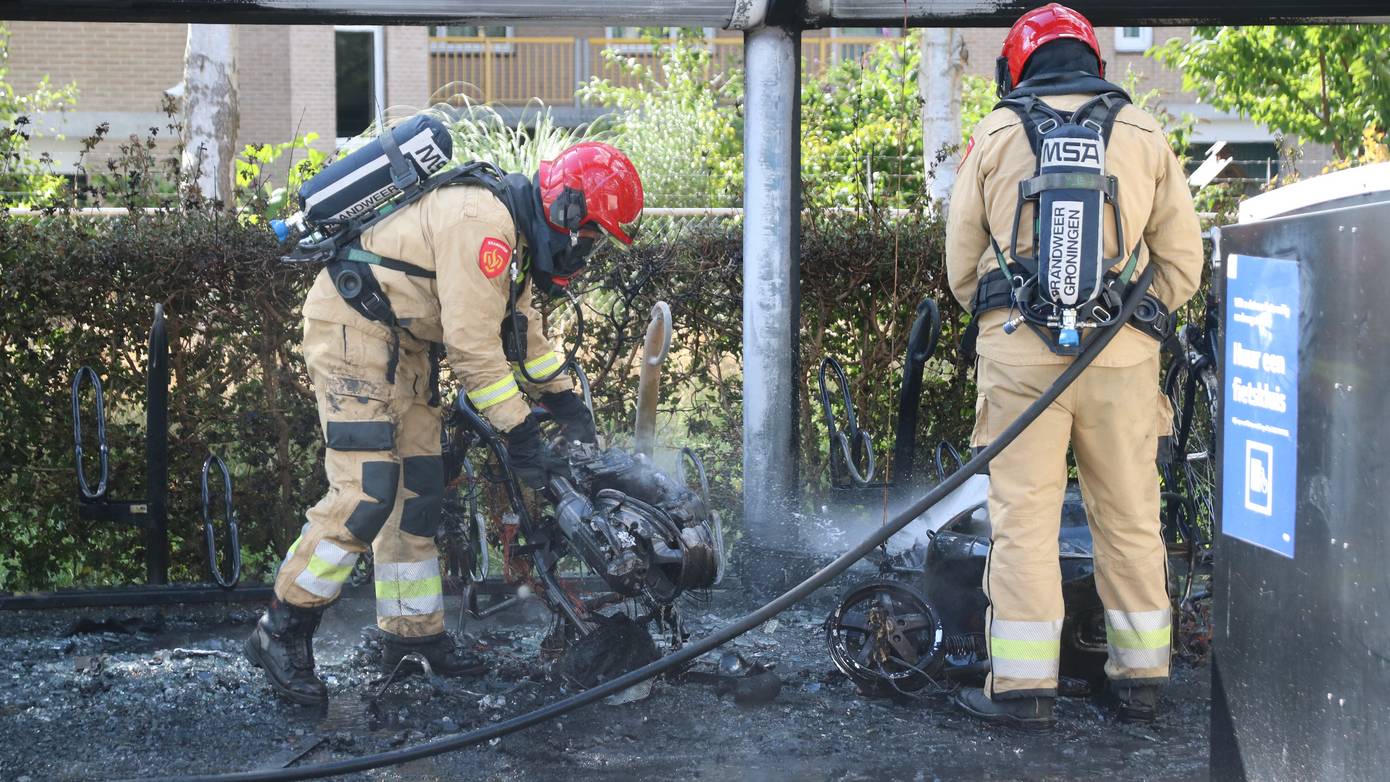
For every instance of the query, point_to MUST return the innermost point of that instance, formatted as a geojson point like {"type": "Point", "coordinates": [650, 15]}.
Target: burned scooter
{"type": "Point", "coordinates": [920, 623]}
{"type": "Point", "coordinates": [645, 537]}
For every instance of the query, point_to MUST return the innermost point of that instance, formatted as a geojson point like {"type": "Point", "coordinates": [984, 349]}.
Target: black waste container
{"type": "Point", "coordinates": [1301, 647]}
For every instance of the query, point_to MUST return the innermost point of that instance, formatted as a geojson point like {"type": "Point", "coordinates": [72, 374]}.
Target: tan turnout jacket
{"type": "Point", "coordinates": [465, 235]}
{"type": "Point", "coordinates": [1155, 207]}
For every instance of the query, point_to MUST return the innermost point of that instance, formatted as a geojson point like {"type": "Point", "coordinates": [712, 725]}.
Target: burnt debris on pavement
{"type": "Point", "coordinates": [141, 692]}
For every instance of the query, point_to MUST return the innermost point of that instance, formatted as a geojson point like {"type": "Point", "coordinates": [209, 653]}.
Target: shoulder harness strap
{"type": "Point", "coordinates": [350, 265]}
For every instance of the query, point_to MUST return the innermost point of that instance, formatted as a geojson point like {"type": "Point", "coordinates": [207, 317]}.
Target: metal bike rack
{"type": "Point", "coordinates": [151, 512]}
{"type": "Point", "coordinates": [851, 446]}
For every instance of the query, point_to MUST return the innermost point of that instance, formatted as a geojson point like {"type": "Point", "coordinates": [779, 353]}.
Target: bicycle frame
{"type": "Point", "coordinates": [468, 428]}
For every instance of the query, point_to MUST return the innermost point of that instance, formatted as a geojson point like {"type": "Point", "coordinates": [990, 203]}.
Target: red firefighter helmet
{"type": "Point", "coordinates": [592, 182]}
{"type": "Point", "coordinates": [1041, 25]}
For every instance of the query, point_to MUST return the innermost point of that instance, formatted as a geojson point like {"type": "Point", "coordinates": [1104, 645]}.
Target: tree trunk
{"type": "Point", "coordinates": [210, 110]}
{"type": "Point", "coordinates": [944, 57]}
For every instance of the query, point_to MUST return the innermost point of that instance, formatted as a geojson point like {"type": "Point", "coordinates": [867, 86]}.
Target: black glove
{"type": "Point", "coordinates": [575, 420]}
{"type": "Point", "coordinates": [530, 456]}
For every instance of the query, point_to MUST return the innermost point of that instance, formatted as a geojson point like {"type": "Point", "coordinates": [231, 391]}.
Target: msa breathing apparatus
{"type": "Point", "coordinates": [1063, 284]}
{"type": "Point", "coordinates": [395, 170]}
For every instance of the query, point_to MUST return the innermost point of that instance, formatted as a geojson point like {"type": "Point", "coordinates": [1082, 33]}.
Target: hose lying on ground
{"type": "Point", "coordinates": [731, 631]}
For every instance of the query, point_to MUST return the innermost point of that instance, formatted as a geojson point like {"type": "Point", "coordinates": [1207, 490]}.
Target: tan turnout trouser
{"type": "Point", "coordinates": [385, 480]}
{"type": "Point", "coordinates": [1108, 415]}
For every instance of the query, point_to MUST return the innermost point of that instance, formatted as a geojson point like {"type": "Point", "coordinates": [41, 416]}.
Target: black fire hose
{"type": "Point", "coordinates": [729, 632]}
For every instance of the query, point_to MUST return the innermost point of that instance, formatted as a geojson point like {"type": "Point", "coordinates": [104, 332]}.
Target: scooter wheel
{"type": "Point", "coordinates": [886, 637]}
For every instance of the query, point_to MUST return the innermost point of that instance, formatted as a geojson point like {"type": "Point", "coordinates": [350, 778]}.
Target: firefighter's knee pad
{"type": "Point", "coordinates": [424, 476]}
{"type": "Point", "coordinates": [379, 482]}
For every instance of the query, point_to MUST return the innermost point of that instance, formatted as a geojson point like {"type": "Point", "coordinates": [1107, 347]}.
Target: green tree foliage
{"type": "Point", "coordinates": [1325, 83]}
{"type": "Point", "coordinates": [258, 196]}
{"type": "Point", "coordinates": [679, 123]}
{"type": "Point", "coordinates": [25, 179]}
{"type": "Point", "coordinates": [1178, 130]}
{"type": "Point", "coordinates": [862, 130]}
{"type": "Point", "coordinates": [977, 98]}
{"type": "Point", "coordinates": [682, 124]}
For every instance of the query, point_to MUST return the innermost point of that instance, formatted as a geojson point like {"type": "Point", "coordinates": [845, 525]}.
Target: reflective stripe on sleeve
{"type": "Point", "coordinates": [494, 394]}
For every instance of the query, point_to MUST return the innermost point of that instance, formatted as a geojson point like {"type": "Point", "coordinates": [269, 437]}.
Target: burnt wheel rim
{"type": "Point", "coordinates": [885, 635]}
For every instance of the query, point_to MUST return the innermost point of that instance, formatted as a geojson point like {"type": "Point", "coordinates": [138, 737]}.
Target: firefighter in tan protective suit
{"type": "Point", "coordinates": [378, 400]}
{"type": "Point", "coordinates": [1111, 416]}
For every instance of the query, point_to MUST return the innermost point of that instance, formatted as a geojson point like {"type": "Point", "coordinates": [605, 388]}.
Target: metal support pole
{"type": "Point", "coordinates": [580, 77]}
{"type": "Point", "coordinates": [157, 453]}
{"type": "Point", "coordinates": [771, 284]}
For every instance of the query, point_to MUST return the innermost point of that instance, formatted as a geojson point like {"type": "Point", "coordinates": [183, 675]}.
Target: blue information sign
{"type": "Point", "coordinates": [1260, 447]}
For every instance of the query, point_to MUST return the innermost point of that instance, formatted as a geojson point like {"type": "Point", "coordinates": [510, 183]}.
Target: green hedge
{"type": "Point", "coordinates": [77, 291]}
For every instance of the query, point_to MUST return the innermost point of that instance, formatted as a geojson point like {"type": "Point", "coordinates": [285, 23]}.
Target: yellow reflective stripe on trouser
{"type": "Point", "coordinates": [1139, 639]}
{"type": "Point", "coordinates": [494, 394]}
{"type": "Point", "coordinates": [408, 588]}
{"type": "Point", "coordinates": [328, 567]}
{"type": "Point", "coordinates": [543, 365]}
{"type": "Point", "coordinates": [1025, 650]}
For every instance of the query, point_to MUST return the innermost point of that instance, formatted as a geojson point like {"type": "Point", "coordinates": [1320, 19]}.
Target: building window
{"type": "Point", "coordinates": [856, 47]}
{"type": "Point", "coordinates": [1133, 39]}
{"type": "Point", "coordinates": [359, 76]}
{"type": "Point", "coordinates": [500, 32]}
{"type": "Point", "coordinates": [637, 40]}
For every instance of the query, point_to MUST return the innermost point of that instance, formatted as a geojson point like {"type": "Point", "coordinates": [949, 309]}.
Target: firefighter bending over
{"type": "Point", "coordinates": [450, 268]}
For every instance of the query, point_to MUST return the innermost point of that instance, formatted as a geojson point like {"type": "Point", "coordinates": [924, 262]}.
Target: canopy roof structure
{"type": "Point", "coordinates": [724, 14]}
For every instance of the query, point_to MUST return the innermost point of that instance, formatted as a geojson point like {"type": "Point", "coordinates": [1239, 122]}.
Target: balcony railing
{"type": "Point", "coordinates": [513, 71]}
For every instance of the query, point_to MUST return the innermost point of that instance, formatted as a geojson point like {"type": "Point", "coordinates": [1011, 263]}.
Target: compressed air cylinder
{"type": "Point", "coordinates": [362, 181]}
{"type": "Point", "coordinates": [1071, 224]}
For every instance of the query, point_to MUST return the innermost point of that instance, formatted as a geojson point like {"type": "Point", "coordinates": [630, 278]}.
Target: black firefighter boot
{"type": "Point", "coordinates": [440, 651]}
{"type": "Point", "coordinates": [1030, 713]}
{"type": "Point", "coordinates": [1137, 703]}
{"type": "Point", "coordinates": [282, 646]}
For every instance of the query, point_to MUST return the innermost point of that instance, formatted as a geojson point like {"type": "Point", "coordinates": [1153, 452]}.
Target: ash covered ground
{"type": "Point", "coordinates": [117, 693]}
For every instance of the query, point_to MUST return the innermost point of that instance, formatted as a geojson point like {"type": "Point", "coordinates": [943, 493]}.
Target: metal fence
{"type": "Point", "coordinates": [515, 70]}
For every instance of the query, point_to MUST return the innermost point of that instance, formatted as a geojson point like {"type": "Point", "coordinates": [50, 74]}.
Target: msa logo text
{"type": "Point", "coordinates": [1072, 152]}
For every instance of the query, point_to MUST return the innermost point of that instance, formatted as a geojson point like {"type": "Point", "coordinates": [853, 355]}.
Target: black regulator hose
{"type": "Point", "coordinates": [729, 632]}
{"type": "Point", "coordinates": [571, 351]}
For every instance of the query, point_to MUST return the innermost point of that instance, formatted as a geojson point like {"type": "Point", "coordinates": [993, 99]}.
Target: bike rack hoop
{"type": "Point", "coordinates": [233, 551]}
{"type": "Point", "coordinates": [88, 493]}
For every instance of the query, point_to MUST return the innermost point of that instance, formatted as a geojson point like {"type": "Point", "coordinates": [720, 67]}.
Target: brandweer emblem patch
{"type": "Point", "coordinates": [494, 256]}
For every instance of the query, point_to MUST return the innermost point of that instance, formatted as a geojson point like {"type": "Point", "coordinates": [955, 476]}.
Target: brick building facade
{"type": "Point", "coordinates": [289, 79]}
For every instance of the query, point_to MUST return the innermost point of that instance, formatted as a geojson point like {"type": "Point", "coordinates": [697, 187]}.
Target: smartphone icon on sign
{"type": "Point", "coordinates": [1259, 477]}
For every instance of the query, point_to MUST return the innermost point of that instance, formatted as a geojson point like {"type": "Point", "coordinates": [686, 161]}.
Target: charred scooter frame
{"type": "Point", "coordinates": [920, 623]}
{"type": "Point", "coordinates": [646, 538]}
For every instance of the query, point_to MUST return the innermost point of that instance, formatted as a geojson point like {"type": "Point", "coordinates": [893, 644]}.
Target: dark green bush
{"type": "Point", "coordinates": [77, 291]}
